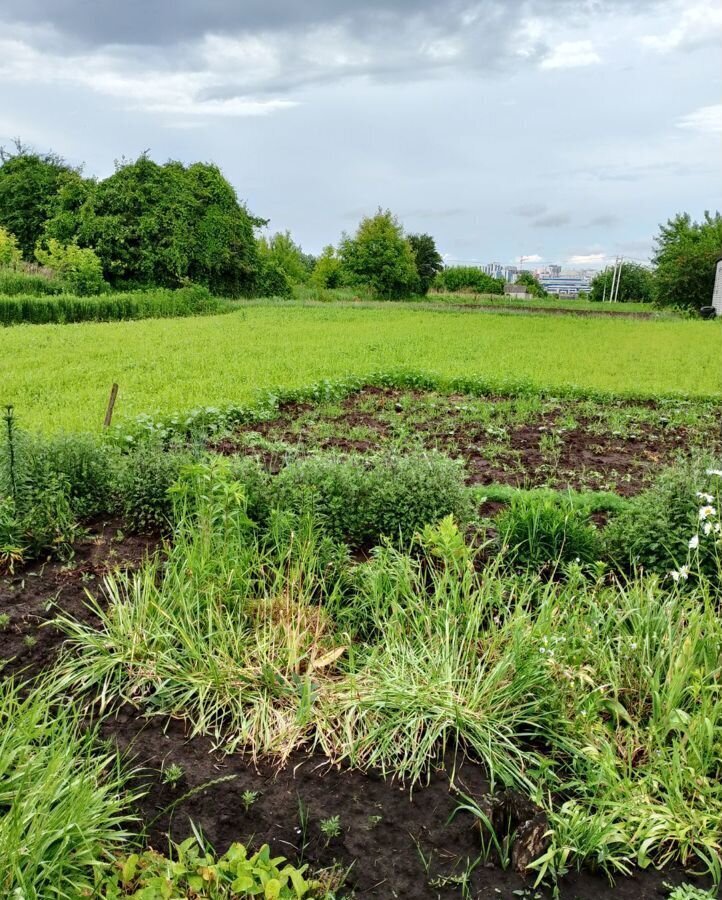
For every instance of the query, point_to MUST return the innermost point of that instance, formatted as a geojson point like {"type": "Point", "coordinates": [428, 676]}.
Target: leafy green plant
{"type": "Point", "coordinates": [539, 532]}
{"type": "Point", "coordinates": [172, 774]}
{"type": "Point", "coordinates": [330, 828]}
{"type": "Point", "coordinates": [248, 798]}
{"type": "Point", "coordinates": [144, 480]}
{"type": "Point", "coordinates": [194, 871]}
{"type": "Point", "coordinates": [360, 501]}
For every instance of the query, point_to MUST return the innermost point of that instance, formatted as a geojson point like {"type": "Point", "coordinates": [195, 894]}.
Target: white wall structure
{"type": "Point", "coordinates": [717, 293]}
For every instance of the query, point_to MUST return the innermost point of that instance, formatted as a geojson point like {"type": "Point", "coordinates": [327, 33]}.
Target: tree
{"type": "Point", "coordinates": [154, 224]}
{"type": "Point", "coordinates": [465, 279]}
{"type": "Point", "coordinates": [29, 183]}
{"type": "Point", "coordinates": [327, 273]}
{"type": "Point", "coordinates": [532, 283]}
{"type": "Point", "coordinates": [281, 250]}
{"type": "Point", "coordinates": [10, 254]}
{"type": "Point", "coordinates": [636, 285]}
{"type": "Point", "coordinates": [379, 255]}
{"type": "Point", "coordinates": [686, 256]}
{"type": "Point", "coordinates": [428, 259]}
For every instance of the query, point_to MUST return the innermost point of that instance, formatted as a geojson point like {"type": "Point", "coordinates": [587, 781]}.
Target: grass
{"type": "Point", "coordinates": [59, 377]}
{"type": "Point", "coordinates": [62, 808]}
{"type": "Point", "coordinates": [551, 302]}
{"type": "Point", "coordinates": [601, 701]}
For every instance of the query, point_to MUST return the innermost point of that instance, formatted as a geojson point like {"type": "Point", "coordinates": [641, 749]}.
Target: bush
{"type": "Point", "coordinates": [655, 529]}
{"type": "Point", "coordinates": [272, 281]}
{"type": "Point", "coordinates": [467, 279]}
{"type": "Point", "coordinates": [540, 533]}
{"type": "Point", "coordinates": [686, 260]}
{"type": "Point", "coordinates": [78, 268]}
{"type": "Point", "coordinates": [10, 253]}
{"type": "Point", "coordinates": [144, 479]}
{"type": "Point", "coordinates": [361, 501]}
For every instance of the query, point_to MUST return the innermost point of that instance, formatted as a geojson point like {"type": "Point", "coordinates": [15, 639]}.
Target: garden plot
{"type": "Point", "coordinates": [600, 445]}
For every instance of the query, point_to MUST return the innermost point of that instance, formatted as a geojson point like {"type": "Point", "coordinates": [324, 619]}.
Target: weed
{"type": "Point", "coordinates": [248, 798]}
{"type": "Point", "coordinates": [330, 828]}
{"type": "Point", "coordinates": [172, 774]}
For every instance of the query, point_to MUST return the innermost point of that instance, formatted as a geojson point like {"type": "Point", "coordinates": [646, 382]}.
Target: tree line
{"type": "Point", "coordinates": [166, 225]}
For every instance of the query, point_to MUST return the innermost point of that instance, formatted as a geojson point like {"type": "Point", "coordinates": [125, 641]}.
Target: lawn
{"type": "Point", "coordinates": [59, 376]}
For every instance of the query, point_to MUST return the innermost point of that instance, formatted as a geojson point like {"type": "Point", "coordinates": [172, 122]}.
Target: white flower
{"type": "Point", "coordinates": [680, 574]}
{"type": "Point", "coordinates": [717, 472]}
{"type": "Point", "coordinates": [707, 527]}
{"type": "Point", "coordinates": [708, 498]}
{"type": "Point", "coordinates": [694, 542]}
{"type": "Point", "coordinates": [706, 512]}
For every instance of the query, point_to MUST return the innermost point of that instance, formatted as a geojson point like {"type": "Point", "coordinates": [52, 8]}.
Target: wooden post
{"type": "Point", "coordinates": [111, 405]}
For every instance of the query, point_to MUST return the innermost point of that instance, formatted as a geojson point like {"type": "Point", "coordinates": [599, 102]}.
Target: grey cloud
{"type": "Point", "coordinates": [553, 220]}
{"type": "Point", "coordinates": [530, 210]}
{"type": "Point", "coordinates": [603, 221]}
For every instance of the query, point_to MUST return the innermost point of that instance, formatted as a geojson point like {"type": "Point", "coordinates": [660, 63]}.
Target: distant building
{"type": "Point", "coordinates": [496, 270]}
{"type": "Point", "coordinates": [571, 284]}
{"type": "Point", "coordinates": [517, 291]}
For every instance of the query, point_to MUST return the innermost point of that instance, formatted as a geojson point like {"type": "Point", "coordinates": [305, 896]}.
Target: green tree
{"type": "Point", "coordinates": [532, 283]}
{"type": "Point", "coordinates": [29, 183]}
{"type": "Point", "coordinates": [636, 285]}
{"type": "Point", "coordinates": [428, 259]}
{"type": "Point", "coordinates": [154, 224]}
{"type": "Point", "coordinates": [686, 256]}
{"type": "Point", "coordinates": [327, 273]}
{"type": "Point", "coordinates": [78, 268]}
{"type": "Point", "coordinates": [281, 251]}
{"type": "Point", "coordinates": [465, 279]}
{"type": "Point", "coordinates": [380, 256]}
{"type": "Point", "coordinates": [10, 253]}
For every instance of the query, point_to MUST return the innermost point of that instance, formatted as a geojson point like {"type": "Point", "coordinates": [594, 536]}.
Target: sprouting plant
{"type": "Point", "coordinates": [172, 774]}
{"type": "Point", "coordinates": [4, 620]}
{"type": "Point", "coordinates": [30, 640]}
{"type": "Point", "coordinates": [10, 425]}
{"type": "Point", "coordinates": [373, 821]}
{"type": "Point", "coordinates": [688, 892]}
{"type": "Point", "coordinates": [302, 829]}
{"type": "Point", "coordinates": [248, 798]}
{"type": "Point", "coordinates": [330, 828]}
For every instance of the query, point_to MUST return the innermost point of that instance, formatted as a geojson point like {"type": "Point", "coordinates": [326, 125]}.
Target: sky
{"type": "Point", "coordinates": [563, 131]}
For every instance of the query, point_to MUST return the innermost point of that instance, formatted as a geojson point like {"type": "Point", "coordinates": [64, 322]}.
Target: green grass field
{"type": "Point", "coordinates": [59, 376]}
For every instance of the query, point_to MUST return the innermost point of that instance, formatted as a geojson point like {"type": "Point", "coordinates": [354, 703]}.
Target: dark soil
{"type": "Point", "coordinates": [394, 843]}
{"type": "Point", "coordinates": [563, 445]}
{"type": "Point", "coordinates": [385, 829]}
{"type": "Point", "coordinates": [36, 593]}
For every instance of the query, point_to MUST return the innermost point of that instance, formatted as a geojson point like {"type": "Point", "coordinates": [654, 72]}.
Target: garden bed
{"type": "Point", "coordinates": [522, 442]}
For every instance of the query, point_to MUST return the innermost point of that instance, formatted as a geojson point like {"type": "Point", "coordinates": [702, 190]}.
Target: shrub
{"type": "Point", "coordinates": [328, 271]}
{"type": "Point", "coordinates": [78, 268]}
{"type": "Point", "coordinates": [467, 278]}
{"type": "Point", "coordinates": [655, 529]}
{"type": "Point", "coordinates": [144, 479]}
{"type": "Point", "coordinates": [686, 257]}
{"type": "Point", "coordinates": [10, 253]}
{"type": "Point", "coordinates": [361, 501]}
{"type": "Point", "coordinates": [540, 532]}
{"type": "Point", "coordinates": [271, 280]}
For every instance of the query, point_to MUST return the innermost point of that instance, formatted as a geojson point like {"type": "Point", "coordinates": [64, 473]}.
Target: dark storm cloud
{"type": "Point", "coordinates": [553, 220]}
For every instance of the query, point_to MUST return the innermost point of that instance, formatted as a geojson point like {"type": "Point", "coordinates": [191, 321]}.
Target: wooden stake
{"type": "Point", "coordinates": [111, 405]}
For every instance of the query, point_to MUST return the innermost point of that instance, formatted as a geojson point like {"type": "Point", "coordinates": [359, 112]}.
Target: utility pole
{"type": "Point", "coordinates": [619, 278]}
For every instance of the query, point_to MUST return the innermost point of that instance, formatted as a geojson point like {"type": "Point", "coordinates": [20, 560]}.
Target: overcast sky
{"type": "Point", "coordinates": [559, 130]}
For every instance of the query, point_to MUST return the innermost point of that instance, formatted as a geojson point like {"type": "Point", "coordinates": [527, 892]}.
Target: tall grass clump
{"type": "Point", "coordinates": [229, 632]}
{"type": "Point", "coordinates": [62, 804]}
{"type": "Point", "coordinates": [157, 303]}
{"type": "Point", "coordinates": [14, 282]}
